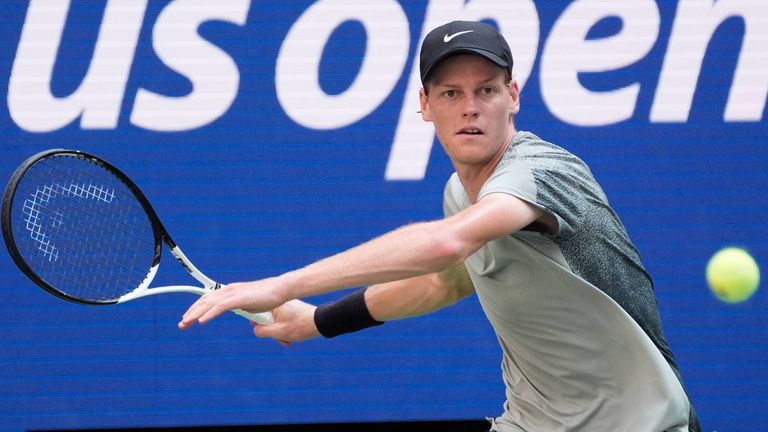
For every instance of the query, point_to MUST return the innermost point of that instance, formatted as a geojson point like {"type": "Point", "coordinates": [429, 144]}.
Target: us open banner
{"type": "Point", "coordinates": [271, 134]}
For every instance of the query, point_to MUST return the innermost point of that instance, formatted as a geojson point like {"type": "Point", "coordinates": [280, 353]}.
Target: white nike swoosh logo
{"type": "Point", "coordinates": [447, 38]}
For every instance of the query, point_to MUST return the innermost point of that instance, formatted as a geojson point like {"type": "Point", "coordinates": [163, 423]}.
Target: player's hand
{"type": "Point", "coordinates": [258, 296]}
{"type": "Point", "coordinates": [294, 322]}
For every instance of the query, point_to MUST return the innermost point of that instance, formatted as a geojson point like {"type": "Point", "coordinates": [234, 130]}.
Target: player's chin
{"type": "Point", "coordinates": [471, 156]}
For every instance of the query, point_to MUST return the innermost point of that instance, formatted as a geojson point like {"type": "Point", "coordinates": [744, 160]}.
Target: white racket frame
{"type": "Point", "coordinates": [159, 232]}
{"type": "Point", "coordinates": [209, 285]}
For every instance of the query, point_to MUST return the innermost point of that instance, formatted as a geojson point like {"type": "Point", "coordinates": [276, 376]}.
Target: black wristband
{"type": "Point", "coordinates": [346, 315]}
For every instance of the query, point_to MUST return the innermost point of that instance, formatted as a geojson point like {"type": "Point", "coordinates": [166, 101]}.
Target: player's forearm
{"type": "Point", "coordinates": [417, 296]}
{"type": "Point", "coordinates": [410, 251]}
{"type": "Point", "coordinates": [392, 300]}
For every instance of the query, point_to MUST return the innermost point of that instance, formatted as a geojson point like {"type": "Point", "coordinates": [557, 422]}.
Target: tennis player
{"type": "Point", "coordinates": [530, 231]}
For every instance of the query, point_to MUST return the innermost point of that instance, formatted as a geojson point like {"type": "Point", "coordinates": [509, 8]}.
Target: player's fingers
{"type": "Point", "coordinates": [212, 312]}
{"type": "Point", "coordinates": [188, 318]}
{"type": "Point", "coordinates": [195, 311]}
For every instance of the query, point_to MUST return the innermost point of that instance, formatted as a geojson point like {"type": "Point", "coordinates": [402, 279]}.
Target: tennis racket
{"type": "Point", "coordinates": [83, 231]}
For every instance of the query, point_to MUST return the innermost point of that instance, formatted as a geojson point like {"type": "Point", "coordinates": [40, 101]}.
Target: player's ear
{"type": "Point", "coordinates": [514, 93]}
{"type": "Point", "coordinates": [426, 115]}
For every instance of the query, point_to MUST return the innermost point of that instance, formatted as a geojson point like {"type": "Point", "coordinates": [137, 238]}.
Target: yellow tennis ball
{"type": "Point", "coordinates": [733, 275]}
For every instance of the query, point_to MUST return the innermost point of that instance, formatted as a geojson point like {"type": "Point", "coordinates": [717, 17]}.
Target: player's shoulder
{"type": "Point", "coordinates": [542, 156]}
{"type": "Point", "coordinates": [526, 144]}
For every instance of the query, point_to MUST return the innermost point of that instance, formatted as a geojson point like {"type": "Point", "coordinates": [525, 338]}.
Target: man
{"type": "Point", "coordinates": [526, 227]}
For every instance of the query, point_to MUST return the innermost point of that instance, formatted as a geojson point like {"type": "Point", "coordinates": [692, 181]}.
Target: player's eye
{"type": "Point", "coordinates": [449, 93]}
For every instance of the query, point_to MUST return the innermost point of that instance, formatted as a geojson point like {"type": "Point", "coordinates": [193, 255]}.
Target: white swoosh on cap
{"type": "Point", "coordinates": [447, 38]}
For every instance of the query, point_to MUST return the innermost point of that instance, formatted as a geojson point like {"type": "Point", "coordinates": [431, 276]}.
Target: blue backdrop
{"type": "Point", "coordinates": [270, 134]}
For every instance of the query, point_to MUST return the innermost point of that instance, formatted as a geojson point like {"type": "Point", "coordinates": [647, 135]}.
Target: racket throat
{"type": "Point", "coordinates": [193, 271]}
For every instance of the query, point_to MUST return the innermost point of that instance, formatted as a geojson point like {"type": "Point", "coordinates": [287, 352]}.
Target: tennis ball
{"type": "Point", "coordinates": [733, 275]}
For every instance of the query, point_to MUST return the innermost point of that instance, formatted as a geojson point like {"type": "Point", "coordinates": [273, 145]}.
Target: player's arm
{"type": "Point", "coordinates": [418, 295]}
{"type": "Point", "coordinates": [410, 251]}
{"type": "Point", "coordinates": [297, 321]}
{"type": "Point", "coordinates": [413, 250]}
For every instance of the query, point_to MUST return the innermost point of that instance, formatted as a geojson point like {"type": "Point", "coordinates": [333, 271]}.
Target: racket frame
{"type": "Point", "coordinates": [159, 233]}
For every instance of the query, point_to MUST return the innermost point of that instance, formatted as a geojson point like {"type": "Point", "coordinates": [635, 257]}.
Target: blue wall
{"type": "Point", "coordinates": [262, 132]}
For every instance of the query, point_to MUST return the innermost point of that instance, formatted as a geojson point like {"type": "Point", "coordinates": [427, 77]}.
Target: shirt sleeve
{"type": "Point", "coordinates": [454, 197]}
{"type": "Point", "coordinates": [516, 178]}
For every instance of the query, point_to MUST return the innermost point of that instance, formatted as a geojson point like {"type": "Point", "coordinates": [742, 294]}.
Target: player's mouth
{"type": "Point", "coordinates": [470, 131]}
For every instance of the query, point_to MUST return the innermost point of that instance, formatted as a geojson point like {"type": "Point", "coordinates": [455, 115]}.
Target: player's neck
{"type": "Point", "coordinates": [473, 177]}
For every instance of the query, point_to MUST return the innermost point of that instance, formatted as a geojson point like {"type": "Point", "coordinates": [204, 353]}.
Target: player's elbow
{"type": "Point", "coordinates": [451, 250]}
{"type": "Point", "coordinates": [445, 245]}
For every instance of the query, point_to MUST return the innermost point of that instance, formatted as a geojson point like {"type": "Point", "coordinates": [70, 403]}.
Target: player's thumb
{"type": "Point", "coordinates": [271, 331]}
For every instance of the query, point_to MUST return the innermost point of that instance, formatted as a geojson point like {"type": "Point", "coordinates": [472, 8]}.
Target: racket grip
{"type": "Point", "coordinates": [264, 318]}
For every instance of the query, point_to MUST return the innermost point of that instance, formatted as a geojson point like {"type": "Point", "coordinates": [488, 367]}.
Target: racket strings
{"type": "Point", "coordinates": [40, 199]}
{"type": "Point", "coordinates": [62, 165]}
{"type": "Point", "coordinates": [82, 229]}
{"type": "Point", "coordinates": [99, 193]}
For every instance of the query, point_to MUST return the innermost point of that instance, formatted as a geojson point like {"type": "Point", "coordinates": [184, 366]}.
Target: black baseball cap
{"type": "Point", "coordinates": [459, 37]}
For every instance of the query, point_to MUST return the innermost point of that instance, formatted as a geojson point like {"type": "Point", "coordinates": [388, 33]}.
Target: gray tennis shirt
{"type": "Point", "coordinates": [574, 312]}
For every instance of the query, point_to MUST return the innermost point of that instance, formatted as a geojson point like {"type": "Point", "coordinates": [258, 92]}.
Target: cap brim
{"type": "Point", "coordinates": [488, 55]}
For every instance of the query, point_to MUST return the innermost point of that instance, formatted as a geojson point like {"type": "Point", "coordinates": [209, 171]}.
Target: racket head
{"type": "Point", "coordinates": [80, 228]}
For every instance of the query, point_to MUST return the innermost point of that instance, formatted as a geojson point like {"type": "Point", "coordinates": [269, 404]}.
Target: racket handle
{"type": "Point", "coordinates": [264, 318]}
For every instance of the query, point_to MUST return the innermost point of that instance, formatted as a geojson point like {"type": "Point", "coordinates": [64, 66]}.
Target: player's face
{"type": "Point", "coordinates": [472, 106]}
